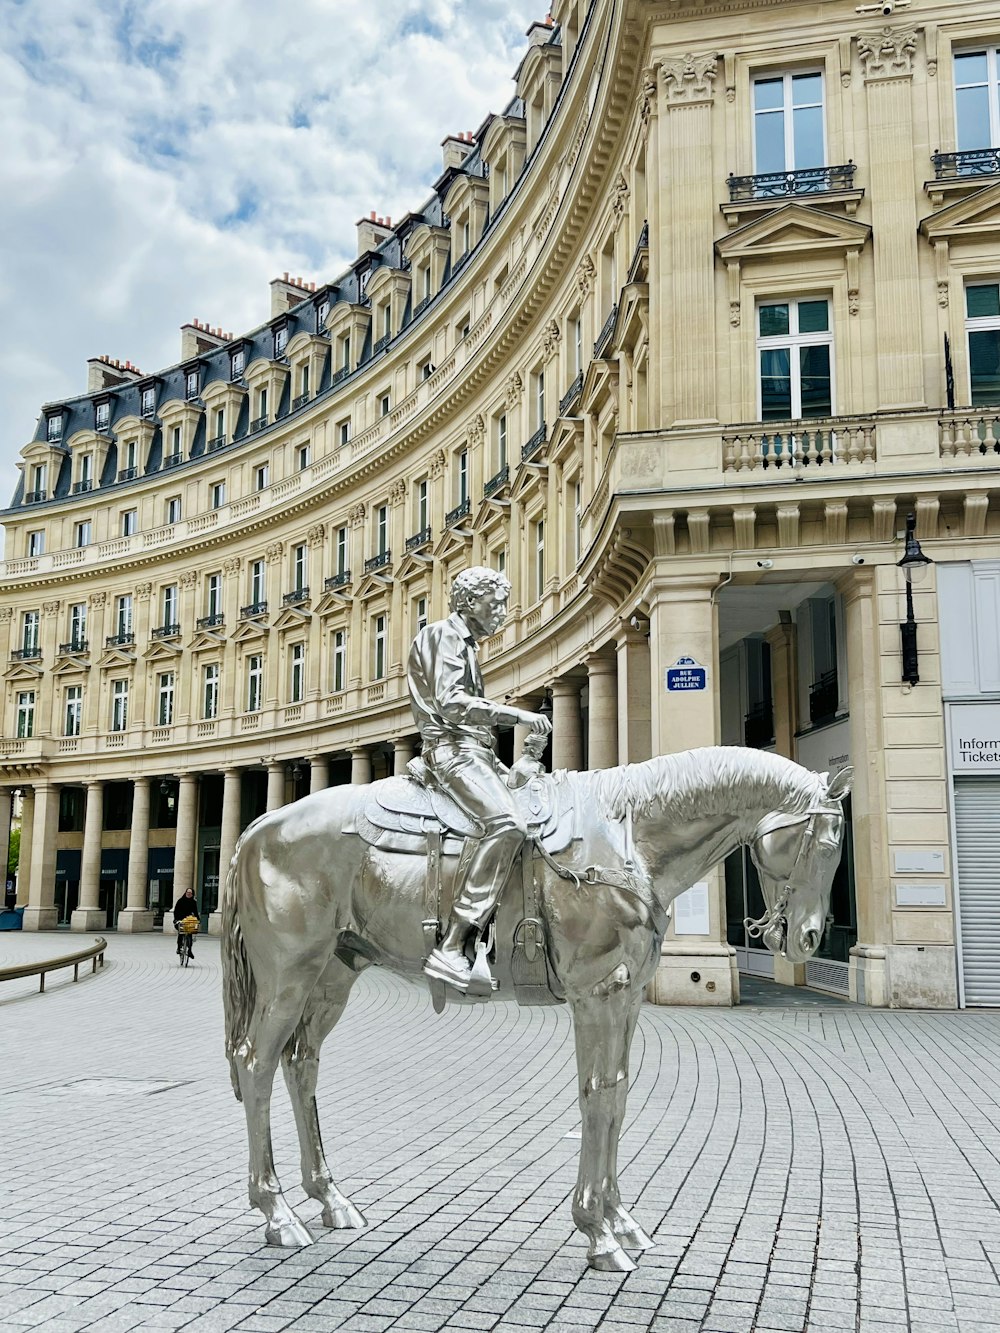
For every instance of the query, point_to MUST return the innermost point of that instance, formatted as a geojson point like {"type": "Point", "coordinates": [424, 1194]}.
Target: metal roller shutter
{"type": "Point", "coordinates": [977, 824]}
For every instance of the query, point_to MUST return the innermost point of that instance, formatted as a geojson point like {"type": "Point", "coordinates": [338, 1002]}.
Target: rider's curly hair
{"type": "Point", "coordinates": [472, 583]}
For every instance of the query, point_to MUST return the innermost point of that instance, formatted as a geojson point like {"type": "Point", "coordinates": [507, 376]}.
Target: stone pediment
{"type": "Point", "coordinates": [248, 631]}
{"type": "Point", "coordinates": [793, 229]}
{"type": "Point", "coordinates": [71, 665]}
{"type": "Point", "coordinates": [331, 602]}
{"type": "Point", "coordinates": [291, 617]}
{"type": "Point", "coordinates": [566, 439]}
{"type": "Point", "coordinates": [451, 543]}
{"type": "Point", "coordinates": [370, 585]}
{"type": "Point", "coordinates": [117, 657]}
{"type": "Point", "coordinates": [163, 650]}
{"type": "Point", "coordinates": [412, 566]}
{"type": "Point", "coordinates": [977, 215]}
{"type": "Point", "coordinates": [24, 671]}
{"type": "Point", "coordinates": [206, 639]}
{"type": "Point", "coordinates": [490, 512]}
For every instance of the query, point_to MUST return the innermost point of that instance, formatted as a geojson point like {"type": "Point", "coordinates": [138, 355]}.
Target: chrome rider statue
{"type": "Point", "coordinates": [457, 726]}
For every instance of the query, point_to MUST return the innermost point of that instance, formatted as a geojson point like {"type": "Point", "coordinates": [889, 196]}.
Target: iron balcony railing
{"type": "Point", "coordinates": [171, 460]}
{"type": "Point", "coordinates": [126, 640]}
{"type": "Point", "coordinates": [421, 306]}
{"type": "Point", "coordinates": [166, 632]}
{"type": "Point", "coordinates": [643, 242]}
{"type": "Point", "coordinates": [29, 654]}
{"type": "Point", "coordinates": [215, 621]}
{"type": "Point", "coordinates": [74, 646]}
{"type": "Point", "coordinates": [379, 561]}
{"type": "Point", "coordinates": [571, 395]}
{"type": "Point", "coordinates": [296, 596]}
{"type": "Point", "coordinates": [80, 487]}
{"type": "Point", "coordinates": [604, 337]}
{"type": "Point", "coordinates": [215, 443]}
{"type": "Point", "coordinates": [456, 515]}
{"type": "Point", "coordinates": [299, 401]}
{"type": "Point", "coordinates": [336, 581]}
{"type": "Point", "coordinates": [35, 497]}
{"type": "Point", "coordinates": [534, 444]}
{"type": "Point", "coordinates": [418, 539]}
{"type": "Point", "coordinates": [128, 473]}
{"type": "Point", "coordinates": [497, 482]}
{"type": "Point", "coordinates": [789, 184]}
{"type": "Point", "coordinates": [824, 695]}
{"type": "Point", "coordinates": [257, 424]}
{"type": "Point", "coordinates": [381, 343]}
{"type": "Point", "coordinates": [253, 609]}
{"type": "Point", "coordinates": [971, 162]}
{"type": "Point", "coordinates": [340, 374]}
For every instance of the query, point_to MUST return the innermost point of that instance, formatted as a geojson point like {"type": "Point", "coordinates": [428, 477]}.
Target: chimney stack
{"type": "Point", "coordinates": [287, 292]}
{"type": "Point", "coordinates": [372, 231]}
{"type": "Point", "coordinates": [104, 372]}
{"type": "Point", "coordinates": [456, 148]}
{"type": "Point", "coordinates": [197, 337]}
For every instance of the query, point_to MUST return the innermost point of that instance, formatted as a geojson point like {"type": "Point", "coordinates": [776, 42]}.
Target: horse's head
{"type": "Point", "coordinates": [796, 856]}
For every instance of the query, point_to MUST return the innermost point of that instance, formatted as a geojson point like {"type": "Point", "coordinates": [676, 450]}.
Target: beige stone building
{"type": "Point", "coordinates": [678, 341]}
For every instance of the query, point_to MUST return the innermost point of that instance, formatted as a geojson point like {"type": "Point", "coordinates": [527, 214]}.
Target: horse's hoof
{"type": "Point", "coordinates": [344, 1217]}
{"type": "Point", "coordinates": [289, 1235]}
{"type": "Point", "coordinates": [611, 1261]}
{"type": "Point", "coordinates": [633, 1238]}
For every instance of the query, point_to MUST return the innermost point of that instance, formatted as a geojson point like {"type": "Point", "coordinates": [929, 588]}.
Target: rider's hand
{"type": "Point", "coordinates": [537, 723]}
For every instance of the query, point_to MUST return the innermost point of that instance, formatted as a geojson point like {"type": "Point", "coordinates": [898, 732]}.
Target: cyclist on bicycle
{"type": "Point", "coordinates": [185, 906]}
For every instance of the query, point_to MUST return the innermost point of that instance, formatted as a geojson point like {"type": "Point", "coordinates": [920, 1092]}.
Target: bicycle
{"type": "Point", "coordinates": [185, 947]}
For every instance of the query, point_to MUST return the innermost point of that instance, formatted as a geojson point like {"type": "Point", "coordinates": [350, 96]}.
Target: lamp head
{"type": "Point", "coordinates": [914, 563]}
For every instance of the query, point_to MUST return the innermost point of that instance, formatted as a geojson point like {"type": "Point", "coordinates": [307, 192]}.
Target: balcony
{"type": "Point", "coordinates": [74, 646]}
{"type": "Point", "coordinates": [792, 184]}
{"type": "Point", "coordinates": [381, 561]}
{"type": "Point", "coordinates": [821, 442]}
{"type": "Point", "coordinates": [824, 695]}
{"type": "Point", "coordinates": [215, 621]}
{"type": "Point", "coordinates": [35, 497]}
{"type": "Point", "coordinates": [381, 343]}
{"type": "Point", "coordinates": [571, 395]}
{"type": "Point", "coordinates": [456, 515]}
{"type": "Point", "coordinates": [960, 166]}
{"type": "Point", "coordinates": [128, 473]}
{"type": "Point", "coordinates": [336, 581]}
{"type": "Point", "coordinates": [758, 726]}
{"type": "Point", "coordinates": [534, 444]}
{"type": "Point", "coordinates": [81, 487]}
{"type": "Point", "coordinates": [172, 460]}
{"type": "Point", "coordinates": [604, 337]}
{"type": "Point", "coordinates": [295, 597]}
{"type": "Point", "coordinates": [339, 374]}
{"type": "Point", "coordinates": [120, 640]}
{"type": "Point", "coordinates": [217, 442]}
{"type": "Point", "coordinates": [300, 401]}
{"type": "Point", "coordinates": [971, 435]}
{"type": "Point", "coordinates": [257, 425]}
{"type": "Point", "coordinates": [166, 632]}
{"type": "Point", "coordinates": [30, 654]}
{"type": "Point", "coordinates": [497, 482]}
{"type": "Point", "coordinates": [418, 539]}
{"type": "Point", "coordinates": [253, 610]}
{"type": "Point", "coordinates": [421, 306]}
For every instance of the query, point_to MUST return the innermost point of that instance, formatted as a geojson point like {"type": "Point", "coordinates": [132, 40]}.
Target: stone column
{"type": "Point", "coordinates": [232, 796]}
{"type": "Point", "coordinates": [5, 804]}
{"type": "Point", "coordinates": [602, 714]}
{"type": "Point", "coordinates": [24, 858]}
{"type": "Point", "coordinates": [319, 770]}
{"type": "Point", "coordinates": [88, 915]}
{"type": "Point", "coordinates": [136, 915]}
{"type": "Point", "coordinates": [361, 765]}
{"type": "Point", "coordinates": [41, 912]}
{"type": "Point", "coordinates": [634, 697]}
{"type": "Point", "coordinates": [402, 753]}
{"type": "Point", "coordinates": [185, 842]}
{"type": "Point", "coordinates": [567, 735]}
{"type": "Point", "coordinates": [275, 785]}
{"type": "Point", "coordinates": [684, 623]}
{"type": "Point", "coordinates": [784, 685]}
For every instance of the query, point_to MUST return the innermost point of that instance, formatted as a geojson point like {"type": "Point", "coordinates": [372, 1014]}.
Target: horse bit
{"type": "Point", "coordinates": [775, 915]}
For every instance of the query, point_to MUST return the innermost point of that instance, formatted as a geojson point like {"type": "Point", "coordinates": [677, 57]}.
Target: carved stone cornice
{"type": "Point", "coordinates": [888, 53]}
{"type": "Point", "coordinates": [689, 79]}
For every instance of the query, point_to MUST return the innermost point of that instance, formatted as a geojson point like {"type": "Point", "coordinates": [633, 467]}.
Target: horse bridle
{"type": "Point", "coordinates": [775, 915]}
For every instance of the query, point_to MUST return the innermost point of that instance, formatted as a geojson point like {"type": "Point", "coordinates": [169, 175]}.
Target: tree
{"type": "Point", "coordinates": [14, 853]}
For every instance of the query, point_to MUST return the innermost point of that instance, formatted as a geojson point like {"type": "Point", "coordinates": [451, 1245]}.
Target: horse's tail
{"type": "Point", "coordinates": [239, 989]}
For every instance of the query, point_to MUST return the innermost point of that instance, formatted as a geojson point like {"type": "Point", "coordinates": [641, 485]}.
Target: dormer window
{"type": "Point", "coordinates": [54, 428]}
{"type": "Point", "coordinates": [280, 340]}
{"type": "Point", "coordinates": [322, 310]}
{"type": "Point", "coordinates": [191, 383]}
{"type": "Point", "coordinates": [363, 277]}
{"type": "Point", "coordinates": [148, 402]}
{"type": "Point", "coordinates": [237, 364]}
{"type": "Point", "coordinates": [102, 417]}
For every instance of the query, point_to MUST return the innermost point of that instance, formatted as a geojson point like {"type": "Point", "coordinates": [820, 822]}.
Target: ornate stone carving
{"type": "Point", "coordinates": [888, 53]}
{"type": "Point", "coordinates": [274, 552]}
{"type": "Point", "coordinates": [97, 599]}
{"type": "Point", "coordinates": [356, 514]}
{"type": "Point", "coordinates": [585, 274]}
{"type": "Point", "coordinates": [477, 430]}
{"type": "Point", "coordinates": [232, 566]}
{"type": "Point", "coordinates": [6, 613]}
{"type": "Point", "coordinates": [51, 608]}
{"type": "Point", "coordinates": [689, 78]}
{"type": "Point", "coordinates": [438, 464]}
{"type": "Point", "coordinates": [142, 591]}
{"type": "Point", "coordinates": [550, 338]}
{"type": "Point", "coordinates": [188, 579]}
{"type": "Point", "coordinates": [647, 94]}
{"type": "Point", "coordinates": [619, 197]}
{"type": "Point", "coordinates": [515, 387]}
{"type": "Point", "coordinates": [397, 492]}
{"type": "Point", "coordinates": [316, 534]}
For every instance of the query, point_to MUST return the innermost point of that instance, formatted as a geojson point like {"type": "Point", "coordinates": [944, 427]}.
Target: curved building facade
{"type": "Point", "coordinates": [679, 341]}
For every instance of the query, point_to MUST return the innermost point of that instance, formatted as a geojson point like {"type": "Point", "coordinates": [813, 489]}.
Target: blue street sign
{"type": "Point", "coordinates": [686, 674]}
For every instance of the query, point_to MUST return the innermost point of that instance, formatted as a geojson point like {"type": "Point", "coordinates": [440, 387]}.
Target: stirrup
{"type": "Point", "coordinates": [440, 968]}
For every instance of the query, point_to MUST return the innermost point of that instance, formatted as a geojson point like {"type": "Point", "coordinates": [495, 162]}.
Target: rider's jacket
{"type": "Point", "coordinates": [446, 686]}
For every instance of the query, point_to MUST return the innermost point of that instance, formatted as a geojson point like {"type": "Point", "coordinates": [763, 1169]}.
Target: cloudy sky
{"type": "Point", "coordinates": [162, 160]}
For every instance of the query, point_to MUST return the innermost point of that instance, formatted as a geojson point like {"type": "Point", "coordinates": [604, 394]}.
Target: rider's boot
{"type": "Point", "coordinates": [448, 962]}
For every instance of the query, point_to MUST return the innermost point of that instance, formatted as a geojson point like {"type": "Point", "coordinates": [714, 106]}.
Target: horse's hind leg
{"type": "Point", "coordinates": [627, 1232]}
{"type": "Point", "coordinates": [300, 1063]}
{"type": "Point", "coordinates": [599, 1022]}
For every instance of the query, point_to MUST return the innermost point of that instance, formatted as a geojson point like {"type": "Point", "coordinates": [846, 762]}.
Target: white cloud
{"type": "Point", "coordinates": [164, 160]}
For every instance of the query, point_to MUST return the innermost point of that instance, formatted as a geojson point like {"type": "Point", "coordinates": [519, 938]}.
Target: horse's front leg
{"type": "Point", "coordinates": [599, 1023]}
{"type": "Point", "coordinates": [627, 1232]}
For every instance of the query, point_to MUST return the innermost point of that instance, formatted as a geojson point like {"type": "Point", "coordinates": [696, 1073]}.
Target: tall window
{"type": "Point", "coordinates": [86, 471]}
{"type": "Point", "coordinates": [300, 566]}
{"type": "Point", "coordinates": [345, 351]}
{"type": "Point", "coordinates": [165, 699]}
{"type": "Point", "coordinates": [577, 332]}
{"type": "Point", "coordinates": [102, 417]}
{"type": "Point", "coordinates": [501, 441]}
{"type": "Point", "coordinates": [982, 323]}
{"type": "Point", "coordinates": [213, 595]}
{"type": "Point", "coordinates": [382, 529]}
{"type": "Point", "coordinates": [210, 691]}
{"type": "Point", "coordinates": [129, 454]}
{"type": "Point", "coordinates": [977, 99]}
{"type": "Point", "coordinates": [304, 380]}
{"type": "Point", "coordinates": [78, 624]}
{"type": "Point", "coordinates": [73, 710]}
{"type": "Point", "coordinates": [378, 648]}
{"type": "Point", "coordinates": [25, 714]}
{"type": "Point", "coordinates": [339, 660]}
{"type": "Point", "coordinates": [341, 545]}
{"type": "Point", "coordinates": [36, 542]}
{"type": "Point", "coordinates": [218, 494]}
{"type": "Point", "coordinates": [463, 476]}
{"type": "Point", "coordinates": [123, 615]}
{"type": "Point", "coordinates": [40, 479]}
{"type": "Point", "coordinates": [344, 431]}
{"type": "Point", "coordinates": [119, 705]}
{"type": "Point", "coordinates": [147, 402]}
{"type": "Point", "coordinates": [220, 423]}
{"type": "Point", "coordinates": [788, 122]}
{"type": "Point", "coordinates": [262, 403]}
{"type": "Point", "coordinates": [577, 520]}
{"type": "Point", "coordinates": [30, 628]}
{"type": "Point", "coordinates": [303, 457]}
{"type": "Point", "coordinates": [795, 344]}
{"type": "Point", "coordinates": [191, 384]}
{"type": "Point", "coordinates": [54, 428]}
{"type": "Point", "coordinates": [84, 532]}
{"type": "Point", "coordinates": [420, 613]}
{"type": "Point", "coordinates": [539, 378]}
{"type": "Point", "coordinates": [423, 504]}
{"type": "Point", "coordinates": [130, 522]}
{"type": "Point", "coordinates": [171, 612]}
{"type": "Point", "coordinates": [539, 558]}
{"type": "Point", "coordinates": [385, 404]}
{"type": "Point", "coordinates": [173, 509]}
{"type": "Point", "coordinates": [298, 681]}
{"type": "Point", "coordinates": [262, 476]}
{"type": "Point", "coordinates": [237, 364]}
{"type": "Point", "coordinates": [175, 442]}
{"type": "Point", "coordinates": [257, 584]}
{"type": "Point", "coordinates": [255, 683]}
{"type": "Point", "coordinates": [280, 340]}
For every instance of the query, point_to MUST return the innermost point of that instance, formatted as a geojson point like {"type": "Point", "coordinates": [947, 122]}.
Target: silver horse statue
{"type": "Point", "coordinates": [308, 905]}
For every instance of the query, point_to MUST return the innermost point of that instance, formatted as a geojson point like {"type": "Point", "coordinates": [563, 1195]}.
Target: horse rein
{"type": "Point", "coordinates": [775, 915]}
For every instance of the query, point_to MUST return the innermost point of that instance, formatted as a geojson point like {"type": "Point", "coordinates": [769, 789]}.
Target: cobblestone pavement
{"type": "Point", "coordinates": [817, 1169]}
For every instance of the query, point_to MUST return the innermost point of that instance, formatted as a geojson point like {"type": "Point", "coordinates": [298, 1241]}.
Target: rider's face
{"type": "Point", "coordinates": [485, 614]}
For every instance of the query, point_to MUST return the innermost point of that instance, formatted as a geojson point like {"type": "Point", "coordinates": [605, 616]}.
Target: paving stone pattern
{"type": "Point", "coordinates": [822, 1169]}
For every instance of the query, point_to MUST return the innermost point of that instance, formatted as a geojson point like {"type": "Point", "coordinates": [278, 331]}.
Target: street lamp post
{"type": "Point", "coordinates": [914, 566]}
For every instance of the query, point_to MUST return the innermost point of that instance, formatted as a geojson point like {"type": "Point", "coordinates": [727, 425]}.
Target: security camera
{"type": "Point", "coordinates": [857, 560]}
{"type": "Point", "coordinates": [887, 9]}
{"type": "Point", "coordinates": [765, 564]}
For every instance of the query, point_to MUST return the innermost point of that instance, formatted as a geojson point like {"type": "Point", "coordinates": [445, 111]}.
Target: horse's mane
{"type": "Point", "coordinates": [695, 783]}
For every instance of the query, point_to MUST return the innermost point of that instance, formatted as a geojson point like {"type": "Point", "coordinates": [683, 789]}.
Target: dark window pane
{"type": "Point", "coordinates": [775, 385]}
{"type": "Point", "coordinates": [984, 366]}
{"type": "Point", "coordinates": [814, 316]}
{"type": "Point", "coordinates": [982, 301]}
{"type": "Point", "coordinates": [973, 109]}
{"type": "Point", "coordinates": [814, 367]}
{"type": "Point", "coordinates": [773, 321]}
